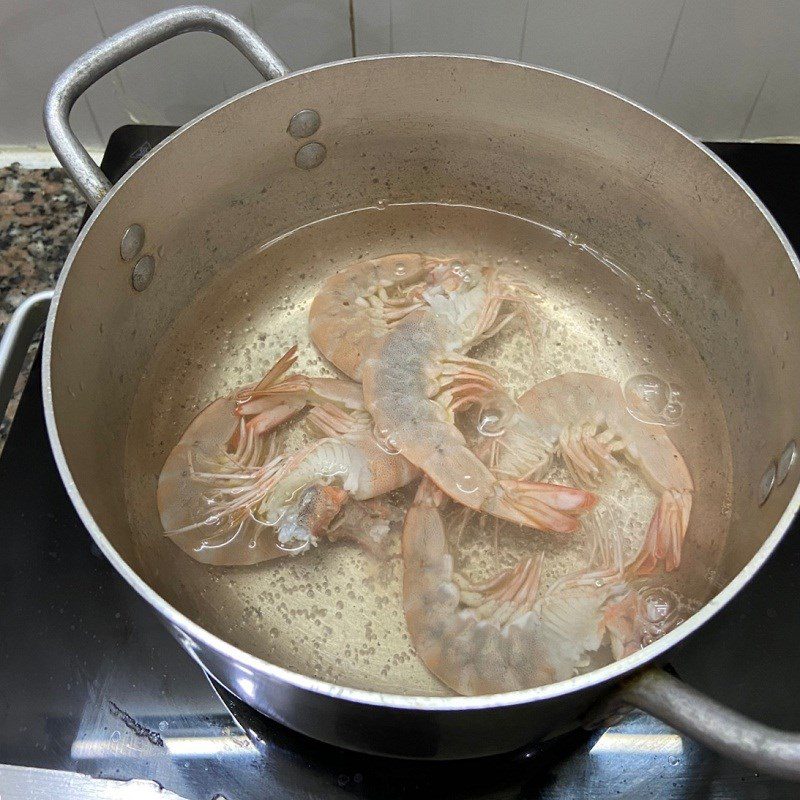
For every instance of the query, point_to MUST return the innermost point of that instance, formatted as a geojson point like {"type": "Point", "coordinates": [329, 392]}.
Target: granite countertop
{"type": "Point", "coordinates": [40, 210]}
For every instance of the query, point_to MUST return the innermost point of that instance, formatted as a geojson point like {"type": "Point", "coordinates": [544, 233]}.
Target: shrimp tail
{"type": "Point", "coordinates": [664, 538]}
{"type": "Point", "coordinates": [275, 399]}
{"type": "Point", "coordinates": [546, 506]}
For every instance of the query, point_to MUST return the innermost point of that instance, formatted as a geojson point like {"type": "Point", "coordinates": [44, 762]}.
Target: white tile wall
{"type": "Point", "coordinates": [169, 84]}
{"type": "Point", "coordinates": [721, 68]}
{"type": "Point", "coordinates": [734, 68]}
{"type": "Point", "coordinates": [464, 26]}
{"type": "Point", "coordinates": [622, 45]}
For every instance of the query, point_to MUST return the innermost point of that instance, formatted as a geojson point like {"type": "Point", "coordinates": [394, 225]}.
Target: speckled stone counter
{"type": "Point", "coordinates": [40, 211]}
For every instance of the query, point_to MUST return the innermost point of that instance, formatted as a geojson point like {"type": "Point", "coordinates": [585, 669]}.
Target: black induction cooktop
{"type": "Point", "coordinates": [90, 681]}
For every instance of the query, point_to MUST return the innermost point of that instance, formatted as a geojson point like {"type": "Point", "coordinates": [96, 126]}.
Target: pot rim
{"type": "Point", "coordinates": [595, 678]}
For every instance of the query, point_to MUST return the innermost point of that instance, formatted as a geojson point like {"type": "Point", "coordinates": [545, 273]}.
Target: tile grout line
{"type": "Point", "coordinates": [352, 20]}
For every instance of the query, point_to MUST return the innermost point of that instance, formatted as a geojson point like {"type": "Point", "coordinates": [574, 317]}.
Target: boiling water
{"type": "Point", "coordinates": [334, 612]}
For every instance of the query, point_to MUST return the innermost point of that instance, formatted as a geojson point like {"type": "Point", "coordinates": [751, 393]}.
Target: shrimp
{"type": "Point", "coordinates": [502, 635]}
{"type": "Point", "coordinates": [415, 378]}
{"type": "Point", "coordinates": [406, 348]}
{"type": "Point", "coordinates": [584, 419]}
{"type": "Point", "coordinates": [227, 480]}
{"type": "Point", "coordinates": [366, 300]}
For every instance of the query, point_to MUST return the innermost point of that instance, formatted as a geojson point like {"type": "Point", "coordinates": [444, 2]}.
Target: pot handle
{"type": "Point", "coordinates": [18, 335]}
{"type": "Point", "coordinates": [727, 732]}
{"type": "Point", "coordinates": [116, 50]}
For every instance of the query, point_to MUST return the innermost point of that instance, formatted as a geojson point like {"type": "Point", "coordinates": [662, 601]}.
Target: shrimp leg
{"type": "Point", "coordinates": [277, 397]}
{"type": "Point", "coordinates": [510, 593]}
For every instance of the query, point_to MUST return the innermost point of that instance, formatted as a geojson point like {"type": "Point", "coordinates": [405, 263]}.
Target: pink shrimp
{"type": "Point", "coordinates": [413, 383]}
{"type": "Point", "coordinates": [584, 419]}
{"type": "Point", "coordinates": [401, 323]}
{"type": "Point", "coordinates": [366, 300]}
{"type": "Point", "coordinates": [504, 635]}
{"type": "Point", "coordinates": [227, 495]}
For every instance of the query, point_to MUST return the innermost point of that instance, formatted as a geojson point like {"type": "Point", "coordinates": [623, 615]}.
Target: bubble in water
{"type": "Point", "coordinates": [646, 394]}
{"type": "Point", "coordinates": [467, 484]}
{"type": "Point", "coordinates": [385, 441]}
{"type": "Point", "coordinates": [653, 400]}
{"type": "Point", "coordinates": [462, 272]}
{"type": "Point", "coordinates": [673, 412]}
{"type": "Point", "coordinates": [491, 423]}
{"type": "Point", "coordinates": [663, 611]}
{"type": "Point", "coordinates": [495, 415]}
{"type": "Point", "coordinates": [658, 605]}
{"type": "Point", "coordinates": [676, 393]}
{"type": "Point", "coordinates": [331, 469]}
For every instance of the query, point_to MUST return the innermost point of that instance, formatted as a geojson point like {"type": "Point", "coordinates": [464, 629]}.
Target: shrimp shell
{"type": "Point", "coordinates": [501, 636]}
{"type": "Point", "coordinates": [352, 308]}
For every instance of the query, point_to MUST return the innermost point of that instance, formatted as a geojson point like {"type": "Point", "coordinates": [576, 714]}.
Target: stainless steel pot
{"type": "Point", "coordinates": [471, 130]}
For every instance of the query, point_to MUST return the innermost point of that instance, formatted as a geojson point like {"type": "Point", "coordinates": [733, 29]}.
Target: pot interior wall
{"type": "Point", "coordinates": [442, 129]}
